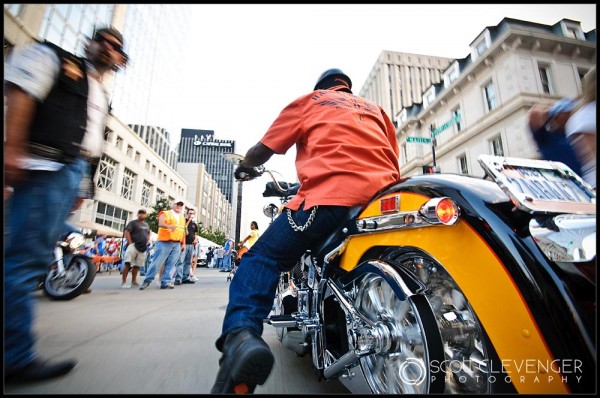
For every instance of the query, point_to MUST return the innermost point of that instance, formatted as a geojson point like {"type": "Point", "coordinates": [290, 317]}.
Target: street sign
{"type": "Point", "coordinates": [419, 140]}
{"type": "Point", "coordinates": [444, 126]}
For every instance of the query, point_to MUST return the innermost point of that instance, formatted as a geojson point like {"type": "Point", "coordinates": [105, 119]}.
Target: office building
{"type": "Point", "coordinates": [481, 105]}
{"type": "Point", "coordinates": [399, 79]}
{"type": "Point", "coordinates": [201, 146]}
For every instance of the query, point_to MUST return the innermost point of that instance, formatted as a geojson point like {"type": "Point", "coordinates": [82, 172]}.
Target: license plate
{"type": "Point", "coordinates": [540, 186]}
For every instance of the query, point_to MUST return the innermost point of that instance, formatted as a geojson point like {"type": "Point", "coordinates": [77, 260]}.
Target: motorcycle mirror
{"type": "Point", "coordinates": [270, 210]}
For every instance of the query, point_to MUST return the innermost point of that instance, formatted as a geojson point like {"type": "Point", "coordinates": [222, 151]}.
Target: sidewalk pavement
{"type": "Point", "coordinates": [154, 341]}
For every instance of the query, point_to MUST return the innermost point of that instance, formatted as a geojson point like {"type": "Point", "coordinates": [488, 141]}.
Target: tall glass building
{"type": "Point", "coordinates": [158, 42]}
{"type": "Point", "coordinates": [199, 146]}
{"type": "Point", "coordinates": [136, 169]}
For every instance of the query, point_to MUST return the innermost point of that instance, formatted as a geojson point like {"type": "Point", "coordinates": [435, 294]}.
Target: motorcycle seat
{"type": "Point", "coordinates": [348, 223]}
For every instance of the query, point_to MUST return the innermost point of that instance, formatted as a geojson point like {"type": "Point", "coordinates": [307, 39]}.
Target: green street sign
{"type": "Point", "coordinates": [419, 140]}
{"type": "Point", "coordinates": [449, 123]}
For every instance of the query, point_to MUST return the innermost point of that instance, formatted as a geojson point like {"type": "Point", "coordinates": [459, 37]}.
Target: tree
{"type": "Point", "coordinates": [216, 236]}
{"type": "Point", "coordinates": [152, 219]}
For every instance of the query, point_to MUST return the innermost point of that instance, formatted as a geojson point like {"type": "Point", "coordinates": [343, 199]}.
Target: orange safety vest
{"type": "Point", "coordinates": [178, 234]}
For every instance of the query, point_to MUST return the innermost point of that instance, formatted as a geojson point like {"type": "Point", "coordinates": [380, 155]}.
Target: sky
{"type": "Point", "coordinates": [247, 62]}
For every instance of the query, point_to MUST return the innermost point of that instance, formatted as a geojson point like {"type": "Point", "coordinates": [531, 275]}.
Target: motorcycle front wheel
{"type": "Point", "coordinates": [77, 277]}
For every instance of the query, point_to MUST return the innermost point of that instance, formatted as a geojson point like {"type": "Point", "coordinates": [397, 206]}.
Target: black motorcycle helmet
{"type": "Point", "coordinates": [331, 77]}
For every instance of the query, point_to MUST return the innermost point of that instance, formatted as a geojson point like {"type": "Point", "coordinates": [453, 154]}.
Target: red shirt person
{"type": "Point", "coordinates": [346, 151]}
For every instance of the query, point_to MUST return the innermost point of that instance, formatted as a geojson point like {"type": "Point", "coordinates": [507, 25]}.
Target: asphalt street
{"type": "Point", "coordinates": [154, 341]}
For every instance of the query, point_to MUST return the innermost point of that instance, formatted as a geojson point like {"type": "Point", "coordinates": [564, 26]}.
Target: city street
{"type": "Point", "coordinates": [154, 341]}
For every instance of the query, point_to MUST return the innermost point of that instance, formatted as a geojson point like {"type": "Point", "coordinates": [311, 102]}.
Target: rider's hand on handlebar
{"type": "Point", "coordinates": [248, 173]}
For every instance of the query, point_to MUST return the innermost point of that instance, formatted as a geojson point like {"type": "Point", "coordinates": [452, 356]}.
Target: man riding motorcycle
{"type": "Point", "coordinates": [346, 151]}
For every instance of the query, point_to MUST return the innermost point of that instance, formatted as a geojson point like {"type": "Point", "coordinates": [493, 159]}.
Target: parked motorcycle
{"type": "Point", "coordinates": [71, 273]}
{"type": "Point", "coordinates": [453, 284]}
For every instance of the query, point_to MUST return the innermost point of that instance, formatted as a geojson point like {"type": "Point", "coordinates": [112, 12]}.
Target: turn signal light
{"type": "Point", "coordinates": [440, 210]}
{"type": "Point", "coordinates": [446, 211]}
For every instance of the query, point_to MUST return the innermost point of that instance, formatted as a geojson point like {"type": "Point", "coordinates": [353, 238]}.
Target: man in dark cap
{"type": "Point", "coordinates": [346, 151]}
{"type": "Point", "coordinates": [55, 114]}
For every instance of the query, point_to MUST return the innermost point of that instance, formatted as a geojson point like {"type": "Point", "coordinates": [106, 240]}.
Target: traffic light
{"type": "Point", "coordinates": [431, 170]}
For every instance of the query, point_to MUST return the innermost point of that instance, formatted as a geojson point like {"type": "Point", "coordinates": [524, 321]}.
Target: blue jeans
{"type": "Point", "coordinates": [227, 262]}
{"type": "Point", "coordinates": [167, 253]}
{"type": "Point", "coordinates": [185, 261]}
{"type": "Point", "coordinates": [36, 215]}
{"type": "Point", "coordinates": [252, 291]}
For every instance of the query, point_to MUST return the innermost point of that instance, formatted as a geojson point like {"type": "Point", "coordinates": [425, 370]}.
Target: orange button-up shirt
{"type": "Point", "coordinates": [346, 148]}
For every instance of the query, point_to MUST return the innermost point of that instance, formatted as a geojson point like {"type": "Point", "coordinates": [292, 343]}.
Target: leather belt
{"type": "Point", "coordinates": [57, 155]}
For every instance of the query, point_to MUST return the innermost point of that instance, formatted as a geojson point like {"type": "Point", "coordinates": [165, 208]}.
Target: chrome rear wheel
{"type": "Point", "coordinates": [465, 363]}
{"type": "Point", "coordinates": [402, 368]}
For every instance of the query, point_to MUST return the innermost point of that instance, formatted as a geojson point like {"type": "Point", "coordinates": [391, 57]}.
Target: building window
{"type": "Point", "coordinates": [71, 25]}
{"type": "Point", "coordinates": [108, 133]}
{"type": "Point", "coordinates": [496, 145]}
{"type": "Point", "coordinates": [146, 189]}
{"type": "Point", "coordinates": [403, 117]}
{"type": "Point", "coordinates": [106, 173]}
{"type": "Point", "coordinates": [128, 183]}
{"type": "Point", "coordinates": [457, 116]}
{"type": "Point", "coordinates": [404, 154]}
{"type": "Point", "coordinates": [159, 194]}
{"type": "Point", "coordinates": [481, 47]}
{"type": "Point", "coordinates": [137, 156]}
{"type": "Point", "coordinates": [490, 96]}
{"type": "Point", "coordinates": [462, 164]}
{"type": "Point", "coordinates": [572, 31]}
{"type": "Point", "coordinates": [581, 73]}
{"type": "Point", "coordinates": [453, 74]}
{"type": "Point", "coordinates": [112, 216]}
{"type": "Point", "coordinates": [119, 143]}
{"type": "Point", "coordinates": [545, 78]}
{"type": "Point", "coordinates": [428, 98]}
{"type": "Point", "coordinates": [129, 150]}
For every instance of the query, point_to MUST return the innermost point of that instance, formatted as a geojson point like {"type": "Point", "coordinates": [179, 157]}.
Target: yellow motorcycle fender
{"type": "Point", "coordinates": [492, 293]}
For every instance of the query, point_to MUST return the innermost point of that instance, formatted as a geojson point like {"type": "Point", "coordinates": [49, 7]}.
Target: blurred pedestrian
{"type": "Point", "coordinates": [100, 246]}
{"type": "Point", "coordinates": [137, 232]}
{"type": "Point", "coordinates": [219, 258]}
{"type": "Point", "coordinates": [227, 254]}
{"type": "Point", "coordinates": [198, 252]}
{"type": "Point", "coordinates": [183, 266]}
{"type": "Point", "coordinates": [249, 240]}
{"type": "Point", "coordinates": [55, 114]}
{"type": "Point", "coordinates": [112, 247]}
{"type": "Point", "coordinates": [168, 247]}
{"type": "Point", "coordinates": [210, 257]}
{"type": "Point", "coordinates": [547, 126]}
{"type": "Point", "coordinates": [581, 128]}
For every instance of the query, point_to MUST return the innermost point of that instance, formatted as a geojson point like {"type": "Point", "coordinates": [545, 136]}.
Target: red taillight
{"type": "Point", "coordinates": [389, 204]}
{"type": "Point", "coordinates": [446, 211]}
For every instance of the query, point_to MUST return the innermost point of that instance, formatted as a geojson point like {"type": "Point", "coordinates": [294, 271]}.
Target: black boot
{"type": "Point", "coordinates": [38, 370]}
{"type": "Point", "coordinates": [246, 362]}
